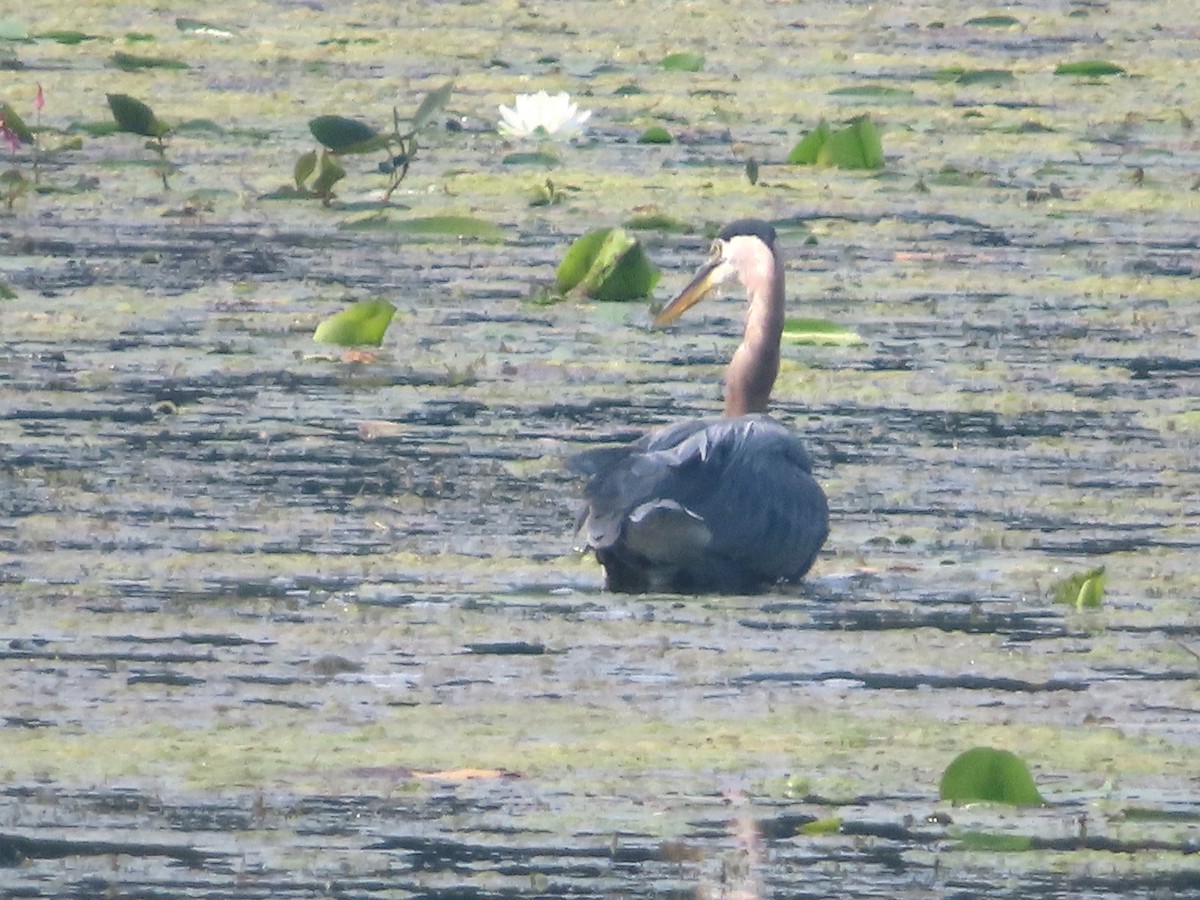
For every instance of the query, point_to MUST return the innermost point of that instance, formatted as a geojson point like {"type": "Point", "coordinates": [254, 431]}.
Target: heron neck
{"type": "Point", "coordinates": [751, 373]}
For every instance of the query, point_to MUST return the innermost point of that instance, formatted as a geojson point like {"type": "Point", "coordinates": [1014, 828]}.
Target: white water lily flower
{"type": "Point", "coordinates": [542, 115]}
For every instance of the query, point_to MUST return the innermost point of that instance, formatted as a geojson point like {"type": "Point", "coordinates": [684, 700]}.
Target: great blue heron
{"type": "Point", "coordinates": [724, 505]}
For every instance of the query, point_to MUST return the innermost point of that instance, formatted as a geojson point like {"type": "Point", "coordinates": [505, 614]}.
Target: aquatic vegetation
{"type": "Point", "coordinates": [1082, 590]}
{"type": "Point", "coordinates": [857, 146]}
{"type": "Point", "coordinates": [984, 774]}
{"type": "Point", "coordinates": [135, 117]}
{"type": "Point", "coordinates": [343, 136]}
{"type": "Point", "coordinates": [362, 324]}
{"type": "Point", "coordinates": [607, 264]}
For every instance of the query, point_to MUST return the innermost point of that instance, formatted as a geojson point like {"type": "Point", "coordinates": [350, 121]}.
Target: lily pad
{"type": "Point", "coordinates": [966, 77]}
{"type": "Point", "coordinates": [1089, 68]}
{"type": "Point", "coordinates": [990, 842]}
{"type": "Point", "coordinates": [342, 135]}
{"type": "Point", "coordinates": [995, 21]}
{"type": "Point", "coordinates": [305, 165]}
{"type": "Point", "coordinates": [857, 146]}
{"type": "Point", "coordinates": [873, 92]}
{"type": "Point", "coordinates": [1083, 590]}
{"type": "Point", "coordinates": [984, 774]}
{"type": "Point", "coordinates": [657, 222]}
{"type": "Point", "coordinates": [66, 37]}
{"type": "Point", "coordinates": [131, 62]}
{"type": "Point", "coordinates": [135, 117]}
{"type": "Point", "coordinates": [364, 323]}
{"type": "Point", "coordinates": [14, 122]}
{"type": "Point", "coordinates": [433, 226]}
{"type": "Point", "coordinates": [607, 264]}
{"type": "Point", "coordinates": [805, 153]}
{"type": "Point", "coordinates": [532, 158]}
{"type": "Point", "coordinates": [655, 134]}
{"type": "Point", "coordinates": [329, 173]}
{"type": "Point", "coordinates": [430, 106]}
{"type": "Point", "coordinates": [819, 331]}
{"type": "Point", "coordinates": [831, 825]}
{"type": "Point", "coordinates": [683, 62]}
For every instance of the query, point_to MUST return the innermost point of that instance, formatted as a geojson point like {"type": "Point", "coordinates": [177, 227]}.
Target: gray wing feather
{"type": "Point", "coordinates": [747, 479]}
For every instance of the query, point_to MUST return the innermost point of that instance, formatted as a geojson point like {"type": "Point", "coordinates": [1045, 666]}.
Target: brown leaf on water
{"type": "Point", "coordinates": [465, 775]}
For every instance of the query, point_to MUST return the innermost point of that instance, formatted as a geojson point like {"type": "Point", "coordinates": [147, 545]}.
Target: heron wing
{"type": "Point", "coordinates": [747, 481]}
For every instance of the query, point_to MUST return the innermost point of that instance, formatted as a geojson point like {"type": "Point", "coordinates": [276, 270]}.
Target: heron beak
{"type": "Point", "coordinates": [711, 274]}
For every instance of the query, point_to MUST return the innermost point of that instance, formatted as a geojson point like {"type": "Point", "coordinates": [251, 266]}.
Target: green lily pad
{"type": "Point", "coordinates": [7, 293]}
{"type": "Point", "coordinates": [329, 173]}
{"type": "Point", "coordinates": [430, 226]}
{"type": "Point", "coordinates": [872, 92]}
{"type": "Point", "coordinates": [131, 62]}
{"type": "Point", "coordinates": [342, 135]}
{"type": "Point", "coordinates": [305, 165]}
{"type": "Point", "coordinates": [989, 842]}
{"type": "Point", "coordinates": [966, 77]}
{"type": "Point", "coordinates": [655, 134]}
{"type": "Point", "coordinates": [831, 825]}
{"type": "Point", "coordinates": [607, 264]}
{"type": "Point", "coordinates": [199, 126]}
{"type": "Point", "coordinates": [996, 21]}
{"type": "Point", "coordinates": [364, 323]}
{"type": "Point", "coordinates": [683, 62]}
{"type": "Point", "coordinates": [287, 192]}
{"type": "Point", "coordinates": [1089, 68]}
{"type": "Point", "coordinates": [66, 37]}
{"type": "Point", "coordinates": [533, 158]}
{"type": "Point", "coordinates": [657, 222]}
{"type": "Point", "coordinates": [857, 146]}
{"type": "Point", "coordinates": [1083, 590]}
{"type": "Point", "coordinates": [805, 153]}
{"type": "Point", "coordinates": [14, 122]}
{"type": "Point", "coordinates": [984, 774]}
{"type": "Point", "coordinates": [135, 117]}
{"type": "Point", "coordinates": [434, 101]}
{"type": "Point", "coordinates": [819, 331]}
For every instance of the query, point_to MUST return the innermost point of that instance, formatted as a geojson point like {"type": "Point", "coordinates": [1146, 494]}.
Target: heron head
{"type": "Point", "coordinates": [744, 251]}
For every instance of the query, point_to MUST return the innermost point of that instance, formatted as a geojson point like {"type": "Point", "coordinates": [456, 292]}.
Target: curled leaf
{"type": "Point", "coordinates": [14, 123]}
{"type": "Point", "coordinates": [984, 774]}
{"type": "Point", "coordinates": [655, 134]}
{"type": "Point", "coordinates": [364, 323]}
{"type": "Point", "coordinates": [607, 264]}
{"type": "Point", "coordinates": [1083, 590]}
{"type": "Point", "coordinates": [306, 164]}
{"type": "Point", "coordinates": [342, 135]}
{"type": "Point", "coordinates": [433, 102]}
{"type": "Point", "coordinates": [135, 117]}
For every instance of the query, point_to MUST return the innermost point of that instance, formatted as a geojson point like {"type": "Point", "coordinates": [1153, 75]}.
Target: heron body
{"type": "Point", "coordinates": [722, 505]}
